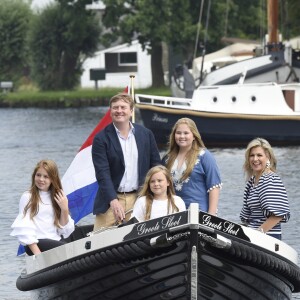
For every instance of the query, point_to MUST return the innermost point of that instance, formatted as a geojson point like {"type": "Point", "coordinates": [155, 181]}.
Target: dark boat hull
{"type": "Point", "coordinates": [165, 276]}
{"type": "Point", "coordinates": [181, 261]}
{"type": "Point", "coordinates": [223, 130]}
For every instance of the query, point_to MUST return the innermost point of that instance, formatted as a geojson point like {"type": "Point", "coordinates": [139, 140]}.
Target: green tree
{"type": "Point", "coordinates": [62, 36]}
{"type": "Point", "coordinates": [291, 22]}
{"type": "Point", "coordinates": [151, 22]}
{"type": "Point", "coordinates": [248, 19]}
{"type": "Point", "coordinates": [241, 19]}
{"type": "Point", "coordinates": [175, 22]}
{"type": "Point", "coordinates": [245, 19]}
{"type": "Point", "coordinates": [14, 23]}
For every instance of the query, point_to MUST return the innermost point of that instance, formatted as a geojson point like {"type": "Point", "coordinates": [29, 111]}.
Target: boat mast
{"type": "Point", "coordinates": [198, 29]}
{"type": "Point", "coordinates": [273, 42]}
{"type": "Point", "coordinates": [205, 40]}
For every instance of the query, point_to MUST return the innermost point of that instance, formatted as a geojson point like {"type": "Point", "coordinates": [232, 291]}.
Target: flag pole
{"type": "Point", "coordinates": [132, 95]}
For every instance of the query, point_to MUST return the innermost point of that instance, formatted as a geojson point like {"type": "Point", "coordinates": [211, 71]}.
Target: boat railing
{"type": "Point", "coordinates": [117, 224]}
{"type": "Point", "coordinates": [162, 101]}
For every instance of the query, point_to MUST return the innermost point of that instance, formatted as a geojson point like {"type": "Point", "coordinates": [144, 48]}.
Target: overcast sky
{"type": "Point", "coordinates": [40, 3]}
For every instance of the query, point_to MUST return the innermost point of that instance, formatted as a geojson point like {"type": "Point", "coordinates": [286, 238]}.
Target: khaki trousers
{"type": "Point", "coordinates": [107, 219]}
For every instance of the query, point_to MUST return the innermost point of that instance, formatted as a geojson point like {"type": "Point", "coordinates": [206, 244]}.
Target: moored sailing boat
{"type": "Point", "coordinates": [273, 61]}
{"type": "Point", "coordinates": [229, 115]}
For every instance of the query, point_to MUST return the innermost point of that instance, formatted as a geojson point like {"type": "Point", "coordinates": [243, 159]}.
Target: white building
{"type": "Point", "coordinates": [119, 63]}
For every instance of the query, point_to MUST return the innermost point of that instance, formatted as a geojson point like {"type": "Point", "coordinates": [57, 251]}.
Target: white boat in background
{"type": "Point", "coordinates": [185, 80]}
{"type": "Point", "coordinates": [229, 115]}
{"type": "Point", "coordinates": [281, 66]}
{"type": "Point", "coordinates": [230, 54]}
{"type": "Point", "coordinates": [274, 60]}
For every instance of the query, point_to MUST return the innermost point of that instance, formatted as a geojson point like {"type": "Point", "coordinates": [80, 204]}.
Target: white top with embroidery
{"type": "Point", "coordinates": [204, 177]}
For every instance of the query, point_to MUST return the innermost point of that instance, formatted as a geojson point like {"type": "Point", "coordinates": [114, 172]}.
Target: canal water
{"type": "Point", "coordinates": [29, 135]}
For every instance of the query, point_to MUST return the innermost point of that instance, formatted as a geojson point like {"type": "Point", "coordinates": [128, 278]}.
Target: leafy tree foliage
{"type": "Point", "coordinates": [62, 36]}
{"type": "Point", "coordinates": [291, 9]}
{"type": "Point", "coordinates": [241, 19]}
{"type": "Point", "coordinates": [14, 23]}
{"type": "Point", "coordinates": [176, 22]}
{"type": "Point", "coordinates": [151, 22]}
{"type": "Point", "coordinates": [248, 19]}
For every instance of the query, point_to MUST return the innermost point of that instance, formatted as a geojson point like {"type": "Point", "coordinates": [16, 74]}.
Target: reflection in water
{"type": "Point", "coordinates": [29, 135]}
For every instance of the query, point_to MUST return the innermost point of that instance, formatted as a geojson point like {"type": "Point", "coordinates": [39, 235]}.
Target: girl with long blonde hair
{"type": "Point", "coordinates": [193, 168]}
{"type": "Point", "coordinates": [157, 197]}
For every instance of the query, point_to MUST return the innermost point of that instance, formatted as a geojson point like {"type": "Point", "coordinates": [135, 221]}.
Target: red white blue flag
{"type": "Point", "coordinates": [79, 182]}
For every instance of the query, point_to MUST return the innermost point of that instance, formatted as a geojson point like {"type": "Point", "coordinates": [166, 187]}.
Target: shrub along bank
{"type": "Point", "coordinates": [67, 99]}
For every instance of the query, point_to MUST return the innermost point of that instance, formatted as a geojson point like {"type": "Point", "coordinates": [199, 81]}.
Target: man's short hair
{"type": "Point", "coordinates": [122, 96]}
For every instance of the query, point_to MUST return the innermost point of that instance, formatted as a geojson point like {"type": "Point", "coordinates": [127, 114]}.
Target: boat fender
{"type": "Point", "coordinates": [167, 240]}
{"type": "Point", "coordinates": [216, 241]}
{"type": "Point", "coordinates": [27, 282]}
{"type": "Point", "coordinates": [261, 259]}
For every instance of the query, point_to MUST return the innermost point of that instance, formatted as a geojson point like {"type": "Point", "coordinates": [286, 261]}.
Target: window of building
{"type": "Point", "coordinates": [127, 58]}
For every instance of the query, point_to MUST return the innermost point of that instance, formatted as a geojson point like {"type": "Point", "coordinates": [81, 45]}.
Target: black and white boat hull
{"type": "Point", "coordinates": [188, 255]}
{"type": "Point", "coordinates": [229, 115]}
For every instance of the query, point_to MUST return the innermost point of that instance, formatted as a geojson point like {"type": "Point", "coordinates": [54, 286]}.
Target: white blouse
{"type": "Point", "coordinates": [42, 226]}
{"type": "Point", "coordinates": [159, 208]}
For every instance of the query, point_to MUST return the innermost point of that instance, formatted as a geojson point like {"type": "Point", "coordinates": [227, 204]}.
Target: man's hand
{"type": "Point", "coordinates": [117, 210]}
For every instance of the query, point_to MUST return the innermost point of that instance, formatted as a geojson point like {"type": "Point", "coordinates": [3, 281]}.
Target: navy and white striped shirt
{"type": "Point", "coordinates": [267, 198]}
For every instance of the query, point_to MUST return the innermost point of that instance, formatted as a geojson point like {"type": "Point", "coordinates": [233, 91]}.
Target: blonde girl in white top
{"type": "Point", "coordinates": [157, 197]}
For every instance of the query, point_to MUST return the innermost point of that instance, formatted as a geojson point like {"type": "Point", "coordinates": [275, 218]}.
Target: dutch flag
{"type": "Point", "coordinates": [79, 182]}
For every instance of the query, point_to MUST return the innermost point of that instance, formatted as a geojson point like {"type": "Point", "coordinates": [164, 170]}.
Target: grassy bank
{"type": "Point", "coordinates": [65, 99]}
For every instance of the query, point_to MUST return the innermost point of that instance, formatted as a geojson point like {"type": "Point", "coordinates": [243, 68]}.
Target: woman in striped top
{"type": "Point", "coordinates": [265, 204]}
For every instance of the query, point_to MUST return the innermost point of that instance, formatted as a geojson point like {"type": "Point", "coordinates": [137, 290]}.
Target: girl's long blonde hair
{"type": "Point", "coordinates": [193, 153]}
{"type": "Point", "coordinates": [146, 191]}
{"type": "Point", "coordinates": [55, 186]}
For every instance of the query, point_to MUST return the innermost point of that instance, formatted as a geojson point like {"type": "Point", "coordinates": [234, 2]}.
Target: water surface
{"type": "Point", "coordinates": [29, 135]}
